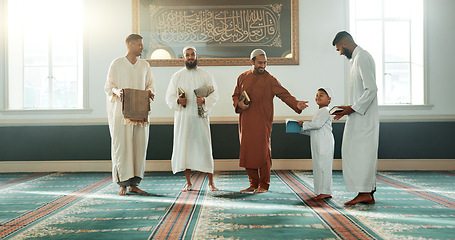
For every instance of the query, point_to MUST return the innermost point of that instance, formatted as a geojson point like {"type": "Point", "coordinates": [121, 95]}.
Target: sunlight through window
{"type": "Point", "coordinates": [392, 31]}
{"type": "Point", "coordinates": [44, 54]}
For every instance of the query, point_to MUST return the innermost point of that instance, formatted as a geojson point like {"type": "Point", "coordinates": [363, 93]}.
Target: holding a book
{"type": "Point", "coordinates": [253, 101]}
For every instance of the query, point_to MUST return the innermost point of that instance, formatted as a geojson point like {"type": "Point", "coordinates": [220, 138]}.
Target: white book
{"type": "Point", "coordinates": [335, 110]}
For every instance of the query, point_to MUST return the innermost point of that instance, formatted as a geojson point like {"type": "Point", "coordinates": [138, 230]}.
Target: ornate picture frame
{"type": "Point", "coordinates": [224, 32]}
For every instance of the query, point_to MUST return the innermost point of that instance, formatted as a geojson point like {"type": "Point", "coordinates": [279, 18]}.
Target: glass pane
{"type": "Point", "coordinates": [64, 87]}
{"type": "Point", "coordinates": [368, 9]}
{"type": "Point", "coordinates": [64, 49]}
{"type": "Point", "coordinates": [65, 33]}
{"type": "Point", "coordinates": [36, 87]}
{"type": "Point", "coordinates": [36, 49]}
{"type": "Point", "coordinates": [398, 9]}
{"type": "Point", "coordinates": [397, 85]}
{"type": "Point", "coordinates": [369, 37]}
{"type": "Point", "coordinates": [397, 42]}
{"type": "Point", "coordinates": [418, 92]}
{"type": "Point", "coordinates": [392, 31]}
{"type": "Point", "coordinates": [36, 33]}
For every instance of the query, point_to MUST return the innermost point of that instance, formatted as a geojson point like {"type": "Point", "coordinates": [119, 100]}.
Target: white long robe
{"type": "Point", "coordinates": [129, 142]}
{"type": "Point", "coordinates": [322, 148]}
{"type": "Point", "coordinates": [192, 141]}
{"type": "Point", "coordinates": [361, 131]}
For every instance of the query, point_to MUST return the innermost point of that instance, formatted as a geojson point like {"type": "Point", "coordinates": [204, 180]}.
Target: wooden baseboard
{"type": "Point", "coordinates": [220, 165]}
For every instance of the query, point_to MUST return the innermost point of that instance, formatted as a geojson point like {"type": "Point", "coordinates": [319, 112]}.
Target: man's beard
{"type": "Point", "coordinates": [347, 53]}
{"type": "Point", "coordinates": [261, 70]}
{"type": "Point", "coordinates": [191, 65]}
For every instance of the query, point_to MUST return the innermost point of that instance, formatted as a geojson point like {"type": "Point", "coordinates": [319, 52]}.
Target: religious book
{"type": "Point", "coordinates": [203, 92]}
{"type": "Point", "coordinates": [245, 96]}
{"type": "Point", "coordinates": [292, 126]}
{"type": "Point", "coordinates": [182, 95]}
{"type": "Point", "coordinates": [135, 106]}
{"type": "Point", "coordinates": [335, 110]}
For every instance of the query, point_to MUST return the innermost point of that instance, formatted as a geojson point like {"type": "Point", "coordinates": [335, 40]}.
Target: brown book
{"type": "Point", "coordinates": [181, 94]}
{"type": "Point", "coordinates": [245, 96]}
{"type": "Point", "coordinates": [136, 105]}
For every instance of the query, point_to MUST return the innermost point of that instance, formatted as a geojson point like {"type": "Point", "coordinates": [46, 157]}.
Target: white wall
{"type": "Point", "coordinates": [108, 22]}
{"type": "Point", "coordinates": [440, 58]}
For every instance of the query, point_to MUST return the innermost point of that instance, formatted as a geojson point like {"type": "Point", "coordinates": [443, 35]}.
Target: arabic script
{"type": "Point", "coordinates": [258, 25]}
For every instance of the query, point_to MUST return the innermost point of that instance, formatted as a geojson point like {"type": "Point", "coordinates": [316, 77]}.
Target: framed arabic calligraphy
{"type": "Point", "coordinates": [223, 31]}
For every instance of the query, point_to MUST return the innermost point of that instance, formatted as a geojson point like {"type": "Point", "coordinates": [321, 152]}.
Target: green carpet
{"type": "Point", "coordinates": [409, 205]}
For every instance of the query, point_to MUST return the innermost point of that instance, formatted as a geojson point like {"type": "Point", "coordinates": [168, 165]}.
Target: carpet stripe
{"type": "Point", "coordinates": [340, 224]}
{"type": "Point", "coordinates": [419, 192]}
{"type": "Point", "coordinates": [14, 225]}
{"type": "Point", "coordinates": [174, 224]}
{"type": "Point", "coordinates": [23, 179]}
{"type": "Point", "coordinates": [448, 173]}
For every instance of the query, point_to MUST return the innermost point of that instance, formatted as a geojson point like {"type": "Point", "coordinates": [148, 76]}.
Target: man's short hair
{"type": "Point", "coordinates": [133, 37]}
{"type": "Point", "coordinates": [341, 36]}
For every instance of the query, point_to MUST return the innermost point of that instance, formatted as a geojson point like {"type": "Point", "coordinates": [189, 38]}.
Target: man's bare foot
{"type": "Point", "coordinates": [212, 187]}
{"type": "Point", "coordinates": [260, 190]}
{"type": "Point", "coordinates": [248, 189]}
{"type": "Point", "coordinates": [122, 191]}
{"type": "Point", "coordinates": [135, 189]}
{"type": "Point", "coordinates": [187, 188]}
{"type": "Point", "coordinates": [365, 198]}
{"type": "Point", "coordinates": [322, 196]}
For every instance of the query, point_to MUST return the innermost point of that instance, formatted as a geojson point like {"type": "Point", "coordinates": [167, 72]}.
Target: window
{"type": "Point", "coordinates": [45, 54]}
{"type": "Point", "coordinates": [393, 32]}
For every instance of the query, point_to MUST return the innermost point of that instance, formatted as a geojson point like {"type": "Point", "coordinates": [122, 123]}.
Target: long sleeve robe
{"type": "Point", "coordinates": [129, 142]}
{"type": "Point", "coordinates": [255, 124]}
{"type": "Point", "coordinates": [361, 132]}
{"type": "Point", "coordinates": [322, 148]}
{"type": "Point", "coordinates": [192, 140]}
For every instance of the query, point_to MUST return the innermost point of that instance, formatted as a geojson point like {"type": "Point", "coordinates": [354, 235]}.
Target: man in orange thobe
{"type": "Point", "coordinates": [256, 118]}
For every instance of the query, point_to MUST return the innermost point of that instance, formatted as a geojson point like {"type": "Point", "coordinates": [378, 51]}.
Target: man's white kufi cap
{"type": "Point", "coordinates": [328, 91]}
{"type": "Point", "coordinates": [257, 52]}
{"type": "Point", "coordinates": [188, 47]}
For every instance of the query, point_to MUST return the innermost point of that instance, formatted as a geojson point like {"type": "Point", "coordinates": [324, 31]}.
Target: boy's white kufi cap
{"type": "Point", "coordinates": [328, 91]}
{"type": "Point", "coordinates": [257, 52]}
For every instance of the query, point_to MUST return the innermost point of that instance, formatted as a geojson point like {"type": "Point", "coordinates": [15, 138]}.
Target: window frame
{"type": "Point", "coordinates": [426, 104]}
{"type": "Point", "coordinates": [82, 62]}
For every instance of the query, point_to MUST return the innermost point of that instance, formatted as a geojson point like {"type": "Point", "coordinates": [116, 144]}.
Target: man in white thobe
{"type": "Point", "coordinates": [361, 132]}
{"type": "Point", "coordinates": [192, 141]}
{"type": "Point", "coordinates": [129, 141]}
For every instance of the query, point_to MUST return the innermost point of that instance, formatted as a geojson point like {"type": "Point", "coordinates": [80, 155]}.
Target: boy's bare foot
{"type": "Point", "coordinates": [122, 191]}
{"type": "Point", "coordinates": [135, 189]}
{"type": "Point", "coordinates": [212, 187]}
{"type": "Point", "coordinates": [187, 188]}
{"type": "Point", "coordinates": [322, 196]}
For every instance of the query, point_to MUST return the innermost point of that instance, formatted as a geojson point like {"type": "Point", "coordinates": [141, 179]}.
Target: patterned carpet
{"type": "Point", "coordinates": [409, 205]}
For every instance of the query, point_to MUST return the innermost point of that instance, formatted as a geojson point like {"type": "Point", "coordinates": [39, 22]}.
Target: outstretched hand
{"type": "Point", "coordinates": [302, 105]}
{"type": "Point", "coordinates": [346, 111]}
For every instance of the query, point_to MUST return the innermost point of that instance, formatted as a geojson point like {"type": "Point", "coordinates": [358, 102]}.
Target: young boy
{"type": "Point", "coordinates": [322, 144]}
